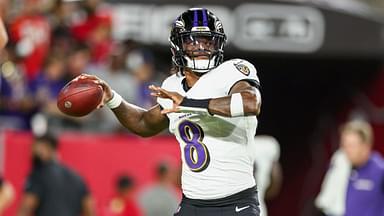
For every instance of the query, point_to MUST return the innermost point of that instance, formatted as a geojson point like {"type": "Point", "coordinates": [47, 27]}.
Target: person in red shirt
{"type": "Point", "coordinates": [95, 30]}
{"type": "Point", "coordinates": [31, 33]}
{"type": "Point", "coordinates": [123, 203]}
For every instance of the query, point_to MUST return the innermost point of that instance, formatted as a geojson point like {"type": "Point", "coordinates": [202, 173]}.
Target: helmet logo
{"type": "Point", "coordinates": [242, 68]}
{"type": "Point", "coordinates": [179, 24]}
{"type": "Point", "coordinates": [200, 28]}
{"type": "Point", "coordinates": [218, 24]}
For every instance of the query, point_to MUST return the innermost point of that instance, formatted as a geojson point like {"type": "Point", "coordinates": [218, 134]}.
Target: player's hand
{"type": "Point", "coordinates": [162, 93]}
{"type": "Point", "coordinates": [107, 91]}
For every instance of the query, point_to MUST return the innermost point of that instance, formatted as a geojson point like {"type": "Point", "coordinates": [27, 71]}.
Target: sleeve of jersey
{"type": "Point", "coordinates": [238, 70]}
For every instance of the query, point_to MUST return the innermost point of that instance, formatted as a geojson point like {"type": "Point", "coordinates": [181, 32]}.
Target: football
{"type": "Point", "coordinates": [79, 97]}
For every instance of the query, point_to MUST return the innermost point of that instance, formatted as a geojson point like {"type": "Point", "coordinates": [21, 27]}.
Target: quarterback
{"type": "Point", "coordinates": [210, 106]}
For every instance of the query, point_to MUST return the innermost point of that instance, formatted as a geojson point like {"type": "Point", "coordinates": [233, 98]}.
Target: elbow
{"type": "Point", "coordinates": [251, 103]}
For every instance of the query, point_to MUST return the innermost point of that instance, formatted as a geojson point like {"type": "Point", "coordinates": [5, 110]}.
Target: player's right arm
{"type": "Point", "coordinates": [140, 121]}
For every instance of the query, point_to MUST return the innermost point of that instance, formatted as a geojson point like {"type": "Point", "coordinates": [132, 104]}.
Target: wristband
{"type": "Point", "coordinates": [115, 101]}
{"type": "Point", "coordinates": [237, 108]}
{"type": "Point", "coordinates": [198, 103]}
{"type": "Point", "coordinates": [198, 106]}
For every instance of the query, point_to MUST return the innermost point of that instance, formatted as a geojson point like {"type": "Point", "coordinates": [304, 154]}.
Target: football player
{"type": "Point", "coordinates": [211, 108]}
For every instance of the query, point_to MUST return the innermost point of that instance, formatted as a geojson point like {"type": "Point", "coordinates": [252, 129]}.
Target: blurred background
{"type": "Point", "coordinates": [320, 64]}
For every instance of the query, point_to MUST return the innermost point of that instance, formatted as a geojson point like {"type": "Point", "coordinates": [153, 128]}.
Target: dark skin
{"type": "Point", "coordinates": [150, 122]}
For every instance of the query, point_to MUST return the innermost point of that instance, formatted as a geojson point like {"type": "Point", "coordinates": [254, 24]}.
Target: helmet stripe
{"type": "Point", "coordinates": [195, 19]}
{"type": "Point", "coordinates": [205, 20]}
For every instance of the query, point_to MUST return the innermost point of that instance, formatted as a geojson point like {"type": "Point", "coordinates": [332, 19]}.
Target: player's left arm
{"type": "Point", "coordinates": [250, 97]}
{"type": "Point", "coordinates": [243, 100]}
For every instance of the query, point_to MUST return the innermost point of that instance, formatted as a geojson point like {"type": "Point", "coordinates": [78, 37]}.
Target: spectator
{"type": "Point", "coordinates": [48, 84]}
{"type": "Point", "coordinates": [160, 199]}
{"type": "Point", "coordinates": [31, 33]}
{"type": "Point", "coordinates": [16, 105]}
{"type": "Point", "coordinates": [331, 199]}
{"type": "Point", "coordinates": [78, 60]}
{"type": "Point", "coordinates": [95, 30]}
{"type": "Point", "coordinates": [123, 204]}
{"type": "Point", "coordinates": [6, 194]}
{"type": "Point", "coordinates": [3, 34]}
{"type": "Point", "coordinates": [267, 169]}
{"type": "Point", "coordinates": [51, 188]}
{"type": "Point", "coordinates": [63, 15]}
{"type": "Point", "coordinates": [141, 64]}
{"type": "Point", "coordinates": [45, 89]}
{"type": "Point", "coordinates": [117, 74]}
{"type": "Point", "coordinates": [361, 178]}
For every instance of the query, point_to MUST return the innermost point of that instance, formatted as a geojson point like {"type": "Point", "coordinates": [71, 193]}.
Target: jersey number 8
{"type": "Point", "coordinates": [196, 153]}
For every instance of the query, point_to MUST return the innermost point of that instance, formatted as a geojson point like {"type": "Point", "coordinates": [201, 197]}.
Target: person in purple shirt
{"type": "Point", "coordinates": [365, 190]}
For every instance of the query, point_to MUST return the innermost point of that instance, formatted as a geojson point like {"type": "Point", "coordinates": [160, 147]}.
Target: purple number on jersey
{"type": "Point", "coordinates": [195, 152]}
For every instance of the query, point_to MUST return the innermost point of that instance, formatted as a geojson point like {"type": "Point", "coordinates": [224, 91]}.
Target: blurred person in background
{"type": "Point", "coordinates": [116, 73]}
{"type": "Point", "coordinates": [211, 107]}
{"type": "Point", "coordinates": [140, 64]}
{"type": "Point", "coordinates": [267, 169]}
{"type": "Point", "coordinates": [16, 103]}
{"type": "Point", "coordinates": [95, 30]}
{"type": "Point", "coordinates": [6, 194]}
{"type": "Point", "coordinates": [31, 33]}
{"type": "Point", "coordinates": [78, 60]}
{"type": "Point", "coordinates": [47, 85]}
{"type": "Point", "coordinates": [359, 179]}
{"type": "Point", "coordinates": [3, 34]}
{"type": "Point", "coordinates": [123, 203]}
{"type": "Point", "coordinates": [332, 196]}
{"type": "Point", "coordinates": [51, 188]}
{"type": "Point", "coordinates": [62, 16]}
{"type": "Point", "coordinates": [160, 199]}
{"type": "Point", "coordinates": [45, 89]}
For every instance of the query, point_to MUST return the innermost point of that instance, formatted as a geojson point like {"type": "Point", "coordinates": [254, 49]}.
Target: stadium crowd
{"type": "Point", "coordinates": [50, 43]}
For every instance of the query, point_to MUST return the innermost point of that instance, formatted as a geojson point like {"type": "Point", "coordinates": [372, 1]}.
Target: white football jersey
{"type": "Point", "coordinates": [216, 162]}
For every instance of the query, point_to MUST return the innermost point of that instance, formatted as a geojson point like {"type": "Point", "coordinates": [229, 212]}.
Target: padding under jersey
{"type": "Point", "coordinates": [216, 162]}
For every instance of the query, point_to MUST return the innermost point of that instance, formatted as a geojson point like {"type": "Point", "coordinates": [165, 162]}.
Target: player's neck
{"type": "Point", "coordinates": [191, 78]}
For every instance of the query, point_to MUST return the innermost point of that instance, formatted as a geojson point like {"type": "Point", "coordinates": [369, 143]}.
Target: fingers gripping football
{"type": "Point", "coordinates": [107, 95]}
